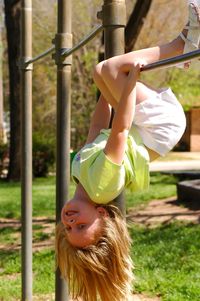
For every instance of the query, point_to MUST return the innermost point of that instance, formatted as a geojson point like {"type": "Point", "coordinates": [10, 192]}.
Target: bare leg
{"type": "Point", "coordinates": [113, 72]}
{"type": "Point", "coordinates": [111, 94]}
{"type": "Point", "coordinates": [105, 91]}
{"type": "Point", "coordinates": [111, 75]}
{"type": "Point", "coordinates": [187, 41]}
{"type": "Point", "coordinates": [123, 62]}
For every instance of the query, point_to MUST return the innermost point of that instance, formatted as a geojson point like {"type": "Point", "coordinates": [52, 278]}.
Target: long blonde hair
{"type": "Point", "coordinates": [103, 270]}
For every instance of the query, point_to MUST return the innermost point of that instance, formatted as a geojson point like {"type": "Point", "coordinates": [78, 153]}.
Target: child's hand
{"type": "Point", "coordinates": [134, 72]}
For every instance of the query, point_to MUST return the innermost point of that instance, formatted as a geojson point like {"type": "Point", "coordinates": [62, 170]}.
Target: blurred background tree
{"type": "Point", "coordinates": [12, 21]}
{"type": "Point", "coordinates": [1, 76]}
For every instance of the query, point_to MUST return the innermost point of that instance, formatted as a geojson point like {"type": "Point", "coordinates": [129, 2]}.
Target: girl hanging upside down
{"type": "Point", "coordinates": [93, 245]}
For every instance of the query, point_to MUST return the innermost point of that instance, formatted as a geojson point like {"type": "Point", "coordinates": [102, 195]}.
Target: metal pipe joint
{"type": "Point", "coordinates": [113, 13]}
{"type": "Point", "coordinates": [63, 42]}
{"type": "Point", "coordinates": [23, 63]}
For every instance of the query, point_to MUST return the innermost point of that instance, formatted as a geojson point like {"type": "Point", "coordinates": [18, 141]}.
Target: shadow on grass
{"type": "Point", "coordinates": [10, 261]}
{"type": "Point", "coordinates": [162, 212]}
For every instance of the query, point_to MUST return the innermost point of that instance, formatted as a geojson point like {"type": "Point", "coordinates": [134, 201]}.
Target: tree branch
{"type": "Point", "coordinates": [135, 23]}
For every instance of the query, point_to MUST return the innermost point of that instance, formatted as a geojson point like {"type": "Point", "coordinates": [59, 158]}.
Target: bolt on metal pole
{"type": "Point", "coordinates": [114, 21]}
{"type": "Point", "coordinates": [113, 16]}
{"type": "Point", "coordinates": [63, 39]}
{"type": "Point", "coordinates": [26, 149]}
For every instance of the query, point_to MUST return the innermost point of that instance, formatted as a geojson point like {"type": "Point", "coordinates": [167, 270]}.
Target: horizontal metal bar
{"type": "Point", "coordinates": [173, 61]}
{"type": "Point", "coordinates": [40, 56]}
{"type": "Point", "coordinates": [90, 36]}
{"type": "Point", "coordinates": [67, 52]}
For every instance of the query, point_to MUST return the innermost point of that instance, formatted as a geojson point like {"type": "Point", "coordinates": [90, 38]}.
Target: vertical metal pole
{"type": "Point", "coordinates": [26, 149]}
{"type": "Point", "coordinates": [114, 21]}
{"type": "Point", "coordinates": [63, 40]}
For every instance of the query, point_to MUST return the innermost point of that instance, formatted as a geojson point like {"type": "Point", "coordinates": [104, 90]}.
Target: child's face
{"type": "Point", "coordinates": [83, 221]}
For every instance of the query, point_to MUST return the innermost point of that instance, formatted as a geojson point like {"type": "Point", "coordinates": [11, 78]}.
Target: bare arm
{"type": "Point", "coordinates": [123, 118]}
{"type": "Point", "coordinates": [100, 119]}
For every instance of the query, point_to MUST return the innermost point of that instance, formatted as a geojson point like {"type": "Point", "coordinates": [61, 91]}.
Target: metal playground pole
{"type": "Point", "coordinates": [26, 148]}
{"type": "Point", "coordinates": [113, 16]}
{"type": "Point", "coordinates": [63, 40]}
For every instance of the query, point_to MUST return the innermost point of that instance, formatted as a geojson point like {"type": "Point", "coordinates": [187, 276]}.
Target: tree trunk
{"type": "Point", "coordinates": [12, 19]}
{"type": "Point", "coordinates": [135, 23]}
{"type": "Point", "coordinates": [1, 81]}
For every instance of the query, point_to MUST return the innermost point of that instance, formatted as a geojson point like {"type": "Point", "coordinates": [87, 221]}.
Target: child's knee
{"type": "Point", "coordinates": [97, 72]}
{"type": "Point", "coordinates": [105, 70]}
{"type": "Point", "coordinates": [108, 69]}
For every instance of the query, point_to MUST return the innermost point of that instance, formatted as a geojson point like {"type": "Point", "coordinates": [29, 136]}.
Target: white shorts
{"type": "Point", "coordinates": [160, 121]}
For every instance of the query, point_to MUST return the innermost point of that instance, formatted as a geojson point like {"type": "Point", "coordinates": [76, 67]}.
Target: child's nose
{"type": "Point", "coordinates": [71, 221]}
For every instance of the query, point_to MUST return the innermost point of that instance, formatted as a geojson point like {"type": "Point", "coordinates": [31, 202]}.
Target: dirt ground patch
{"type": "Point", "coordinates": [43, 233]}
{"type": "Point", "coordinates": [163, 212]}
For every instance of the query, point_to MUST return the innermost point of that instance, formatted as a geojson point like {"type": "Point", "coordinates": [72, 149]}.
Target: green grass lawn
{"type": "Point", "coordinates": [167, 258]}
{"type": "Point", "coordinates": [167, 261]}
{"type": "Point", "coordinates": [44, 195]}
{"type": "Point", "coordinates": [43, 198]}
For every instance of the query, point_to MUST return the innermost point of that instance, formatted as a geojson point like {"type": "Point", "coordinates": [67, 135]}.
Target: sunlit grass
{"type": "Point", "coordinates": [167, 261]}
{"type": "Point", "coordinates": [167, 258]}
{"type": "Point", "coordinates": [43, 195]}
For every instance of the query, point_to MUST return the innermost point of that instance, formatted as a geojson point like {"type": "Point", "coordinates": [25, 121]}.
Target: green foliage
{"type": "Point", "coordinates": [83, 96]}
{"type": "Point", "coordinates": [185, 85]}
{"type": "Point", "coordinates": [3, 157]}
{"type": "Point", "coordinates": [43, 156]}
{"type": "Point", "coordinates": [44, 87]}
{"type": "Point", "coordinates": [44, 75]}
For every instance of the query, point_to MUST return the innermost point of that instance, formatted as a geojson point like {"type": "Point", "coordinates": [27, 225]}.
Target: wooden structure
{"type": "Point", "coordinates": [191, 138]}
